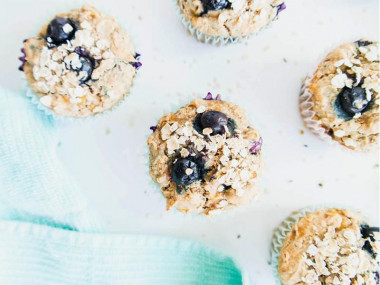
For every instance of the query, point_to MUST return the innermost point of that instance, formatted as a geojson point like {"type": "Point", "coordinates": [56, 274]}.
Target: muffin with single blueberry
{"type": "Point", "coordinates": [206, 157]}
{"type": "Point", "coordinates": [81, 63]}
{"type": "Point", "coordinates": [341, 99]}
{"type": "Point", "coordinates": [329, 246]}
{"type": "Point", "coordinates": [229, 18]}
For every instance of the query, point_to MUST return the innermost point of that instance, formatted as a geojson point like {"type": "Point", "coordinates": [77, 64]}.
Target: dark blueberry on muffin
{"type": "Point", "coordinates": [216, 121]}
{"type": "Point", "coordinates": [86, 64]}
{"type": "Point", "coordinates": [353, 100]}
{"type": "Point", "coordinates": [60, 30]}
{"type": "Point", "coordinates": [215, 5]}
{"type": "Point", "coordinates": [367, 231]}
{"type": "Point", "coordinates": [187, 171]}
{"type": "Point", "coordinates": [363, 43]}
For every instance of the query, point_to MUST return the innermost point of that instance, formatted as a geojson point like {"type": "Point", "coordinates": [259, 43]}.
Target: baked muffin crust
{"type": "Point", "coordinates": [331, 246]}
{"type": "Point", "coordinates": [230, 162]}
{"type": "Point", "coordinates": [99, 52]}
{"type": "Point", "coordinates": [351, 65]}
{"type": "Point", "coordinates": [239, 19]}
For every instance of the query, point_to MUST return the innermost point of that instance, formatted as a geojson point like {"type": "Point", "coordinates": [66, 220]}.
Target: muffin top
{"type": "Point", "coordinates": [230, 18]}
{"type": "Point", "coordinates": [206, 157]}
{"type": "Point", "coordinates": [81, 63]}
{"type": "Point", "coordinates": [331, 246]}
{"type": "Point", "coordinates": [345, 93]}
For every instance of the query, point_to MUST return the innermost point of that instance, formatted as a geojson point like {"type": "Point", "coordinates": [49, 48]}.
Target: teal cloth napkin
{"type": "Point", "coordinates": [49, 235]}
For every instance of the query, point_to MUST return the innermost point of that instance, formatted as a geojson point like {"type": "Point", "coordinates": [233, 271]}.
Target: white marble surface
{"type": "Point", "coordinates": [107, 156]}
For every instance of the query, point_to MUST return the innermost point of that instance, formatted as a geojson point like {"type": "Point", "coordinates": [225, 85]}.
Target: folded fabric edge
{"type": "Point", "coordinates": [115, 241]}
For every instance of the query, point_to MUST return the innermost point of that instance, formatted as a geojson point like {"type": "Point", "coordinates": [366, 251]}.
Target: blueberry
{"type": "Point", "coordinates": [214, 5]}
{"type": "Point", "coordinates": [59, 31]}
{"type": "Point", "coordinates": [368, 247]}
{"type": "Point", "coordinates": [186, 171]}
{"type": "Point", "coordinates": [363, 43]}
{"type": "Point", "coordinates": [353, 100]}
{"type": "Point", "coordinates": [81, 51]}
{"type": "Point", "coordinates": [87, 67]}
{"type": "Point", "coordinates": [215, 120]}
{"type": "Point", "coordinates": [367, 231]}
{"type": "Point", "coordinates": [87, 64]}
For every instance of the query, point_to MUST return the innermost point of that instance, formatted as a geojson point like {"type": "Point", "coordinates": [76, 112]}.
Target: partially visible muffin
{"type": "Point", "coordinates": [342, 97]}
{"type": "Point", "coordinates": [206, 157]}
{"type": "Point", "coordinates": [330, 247]}
{"type": "Point", "coordinates": [81, 63]}
{"type": "Point", "coordinates": [230, 18]}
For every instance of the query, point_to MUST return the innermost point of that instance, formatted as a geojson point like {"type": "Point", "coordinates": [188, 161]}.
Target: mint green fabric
{"type": "Point", "coordinates": [49, 235]}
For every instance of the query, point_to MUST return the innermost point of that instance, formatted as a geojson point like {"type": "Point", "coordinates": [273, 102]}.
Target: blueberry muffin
{"type": "Point", "coordinates": [206, 157]}
{"type": "Point", "coordinates": [81, 63]}
{"type": "Point", "coordinates": [341, 99]}
{"type": "Point", "coordinates": [329, 247]}
{"type": "Point", "coordinates": [230, 18]}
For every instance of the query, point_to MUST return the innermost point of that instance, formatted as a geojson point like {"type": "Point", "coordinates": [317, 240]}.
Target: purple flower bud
{"type": "Point", "coordinates": [256, 146]}
{"type": "Point", "coordinates": [136, 64]}
{"type": "Point", "coordinates": [281, 8]}
{"type": "Point", "coordinates": [153, 128]}
{"type": "Point", "coordinates": [209, 97]}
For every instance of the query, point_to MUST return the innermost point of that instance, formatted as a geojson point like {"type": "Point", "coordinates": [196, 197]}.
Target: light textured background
{"type": "Point", "coordinates": [264, 75]}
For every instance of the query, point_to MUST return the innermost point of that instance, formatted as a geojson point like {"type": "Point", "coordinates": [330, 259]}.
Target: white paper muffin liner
{"type": "Point", "coordinates": [172, 107]}
{"type": "Point", "coordinates": [35, 99]}
{"type": "Point", "coordinates": [214, 40]}
{"type": "Point", "coordinates": [279, 234]}
{"type": "Point", "coordinates": [306, 109]}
